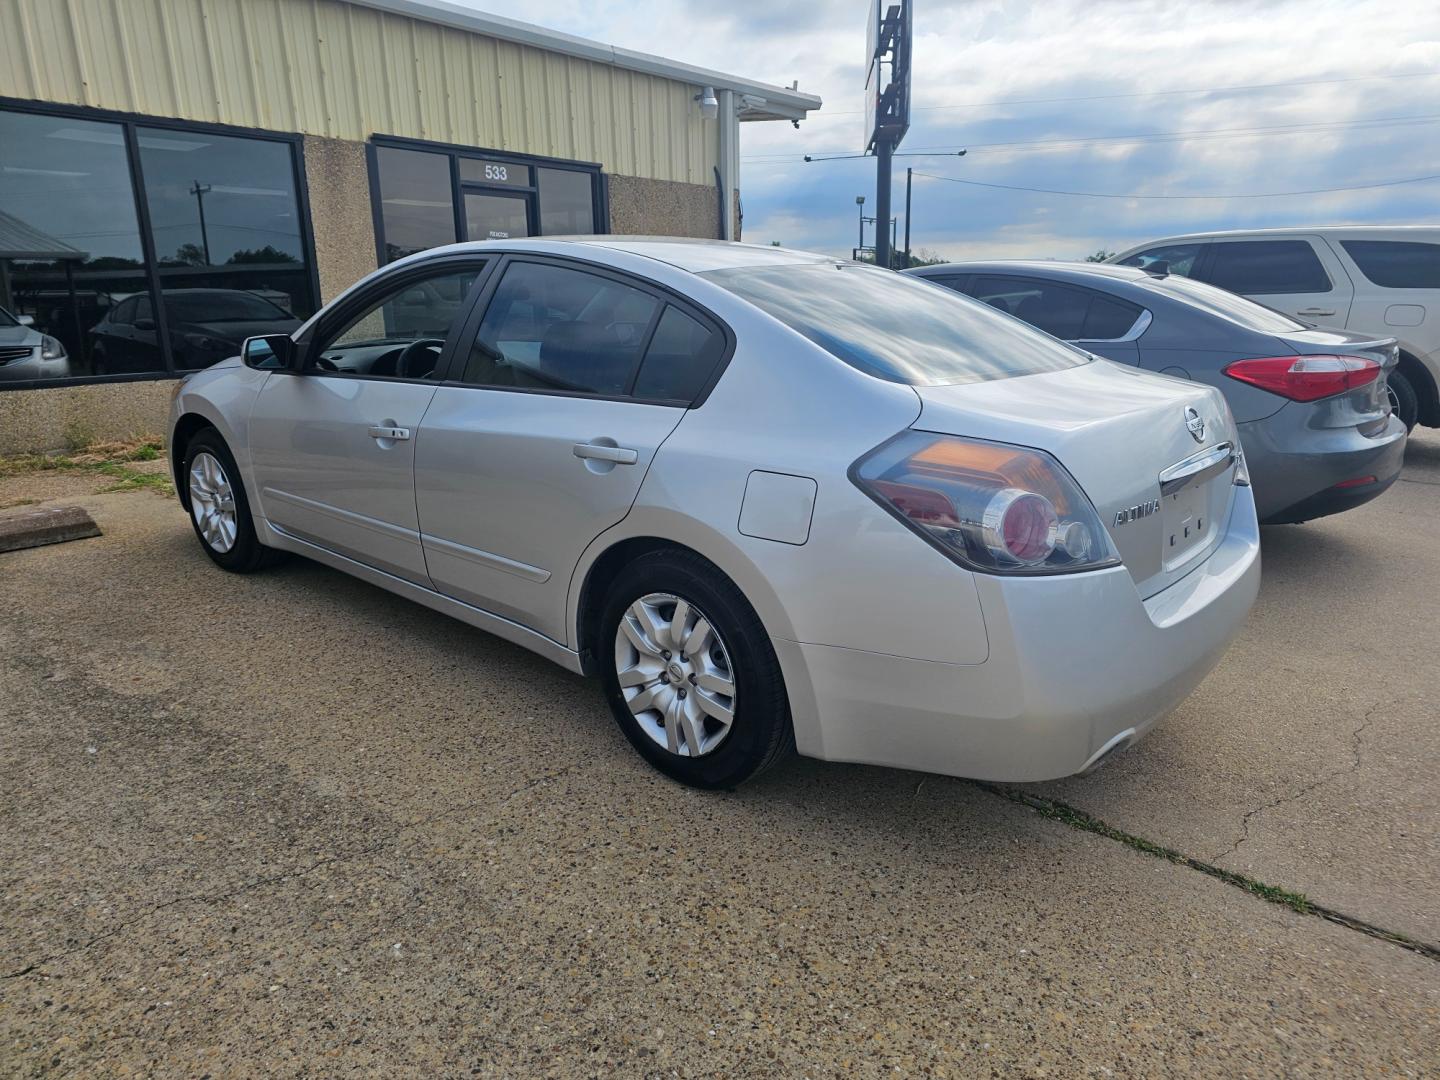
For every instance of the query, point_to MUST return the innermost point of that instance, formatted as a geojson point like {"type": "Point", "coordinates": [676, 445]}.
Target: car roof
{"type": "Point", "coordinates": [1291, 230]}
{"type": "Point", "coordinates": [685, 253]}
{"type": "Point", "coordinates": [1050, 268]}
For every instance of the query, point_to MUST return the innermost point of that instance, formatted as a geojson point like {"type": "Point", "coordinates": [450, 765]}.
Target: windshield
{"type": "Point", "coordinates": [222, 306]}
{"type": "Point", "coordinates": [896, 327]}
{"type": "Point", "coordinates": [1227, 305]}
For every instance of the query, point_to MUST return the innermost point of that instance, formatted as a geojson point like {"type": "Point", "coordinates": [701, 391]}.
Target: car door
{"type": "Point", "coordinates": [1297, 275]}
{"type": "Point", "coordinates": [333, 444]}
{"type": "Point", "coordinates": [565, 383]}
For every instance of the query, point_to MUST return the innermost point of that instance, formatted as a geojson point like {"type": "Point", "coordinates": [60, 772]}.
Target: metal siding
{"type": "Point", "coordinates": [325, 67]}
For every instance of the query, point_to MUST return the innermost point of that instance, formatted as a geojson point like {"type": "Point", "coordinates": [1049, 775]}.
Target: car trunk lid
{"type": "Point", "coordinates": [1366, 407]}
{"type": "Point", "coordinates": [1117, 431]}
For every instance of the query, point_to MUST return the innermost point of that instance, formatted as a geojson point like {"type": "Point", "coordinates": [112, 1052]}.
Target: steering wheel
{"type": "Point", "coordinates": [418, 359]}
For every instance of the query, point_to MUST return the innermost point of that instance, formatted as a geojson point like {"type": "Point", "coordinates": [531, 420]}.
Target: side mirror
{"type": "Point", "coordinates": [271, 352]}
{"type": "Point", "coordinates": [25, 320]}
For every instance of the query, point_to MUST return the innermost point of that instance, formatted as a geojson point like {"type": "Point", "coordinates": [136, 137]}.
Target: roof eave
{"type": "Point", "coordinates": [775, 102]}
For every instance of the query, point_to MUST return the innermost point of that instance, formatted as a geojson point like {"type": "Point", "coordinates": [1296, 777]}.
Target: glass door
{"type": "Point", "coordinates": [493, 216]}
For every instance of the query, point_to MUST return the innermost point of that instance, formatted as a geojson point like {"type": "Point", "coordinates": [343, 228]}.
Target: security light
{"type": "Point", "coordinates": [709, 104]}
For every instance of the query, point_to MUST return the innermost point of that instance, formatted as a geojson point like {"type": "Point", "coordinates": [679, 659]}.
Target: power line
{"type": "Point", "coordinates": [1156, 93]}
{"type": "Point", "coordinates": [1196, 134]}
{"type": "Point", "coordinates": [1235, 195]}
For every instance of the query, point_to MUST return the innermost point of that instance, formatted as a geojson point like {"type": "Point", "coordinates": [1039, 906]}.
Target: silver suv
{"type": "Point", "coordinates": [1378, 280]}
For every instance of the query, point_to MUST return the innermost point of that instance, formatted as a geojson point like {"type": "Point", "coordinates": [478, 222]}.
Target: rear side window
{"type": "Point", "coordinates": [1064, 311]}
{"type": "Point", "coordinates": [1257, 267]}
{"type": "Point", "coordinates": [895, 327]}
{"type": "Point", "coordinates": [680, 358]}
{"type": "Point", "coordinates": [1396, 264]}
{"type": "Point", "coordinates": [554, 328]}
{"type": "Point", "coordinates": [1178, 258]}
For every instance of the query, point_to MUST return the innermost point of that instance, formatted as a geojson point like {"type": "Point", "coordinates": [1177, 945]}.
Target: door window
{"type": "Point", "coordinates": [554, 328]}
{"type": "Point", "coordinates": [1064, 311]}
{"type": "Point", "coordinates": [496, 217]}
{"type": "Point", "coordinates": [680, 359]}
{"type": "Point", "coordinates": [402, 334]}
{"type": "Point", "coordinates": [1257, 267]}
{"type": "Point", "coordinates": [1396, 264]}
{"type": "Point", "coordinates": [1178, 258]}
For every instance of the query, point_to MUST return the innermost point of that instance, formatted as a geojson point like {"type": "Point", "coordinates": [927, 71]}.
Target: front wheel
{"type": "Point", "coordinates": [690, 673]}
{"type": "Point", "coordinates": [219, 510]}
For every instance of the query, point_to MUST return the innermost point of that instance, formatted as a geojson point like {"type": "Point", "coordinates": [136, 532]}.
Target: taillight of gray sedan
{"type": "Point", "coordinates": [771, 499]}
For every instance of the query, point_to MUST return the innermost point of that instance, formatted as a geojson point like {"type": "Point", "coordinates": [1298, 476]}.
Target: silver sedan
{"type": "Point", "coordinates": [771, 499]}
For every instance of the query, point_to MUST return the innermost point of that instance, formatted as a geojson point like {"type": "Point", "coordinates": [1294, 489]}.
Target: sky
{"type": "Point", "coordinates": [1367, 112]}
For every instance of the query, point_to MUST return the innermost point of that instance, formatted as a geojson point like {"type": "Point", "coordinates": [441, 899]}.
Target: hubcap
{"type": "Point", "coordinates": [212, 502]}
{"type": "Point", "coordinates": [675, 674]}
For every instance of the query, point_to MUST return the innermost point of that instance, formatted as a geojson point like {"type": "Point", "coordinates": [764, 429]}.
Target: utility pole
{"type": "Point", "coordinates": [860, 202]}
{"type": "Point", "coordinates": [909, 176]}
{"type": "Point", "coordinates": [200, 190]}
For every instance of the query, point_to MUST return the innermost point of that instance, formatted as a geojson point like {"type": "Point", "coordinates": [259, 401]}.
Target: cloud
{"type": "Point", "coordinates": [1111, 65]}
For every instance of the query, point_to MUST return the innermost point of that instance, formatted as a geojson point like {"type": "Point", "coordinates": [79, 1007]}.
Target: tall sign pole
{"type": "Point", "coordinates": [887, 105]}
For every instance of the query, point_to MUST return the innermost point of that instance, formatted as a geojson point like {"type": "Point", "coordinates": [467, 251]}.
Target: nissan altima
{"type": "Point", "coordinates": [771, 499]}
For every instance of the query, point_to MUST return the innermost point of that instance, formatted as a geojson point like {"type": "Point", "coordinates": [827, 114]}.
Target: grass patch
{"type": "Point", "coordinates": [110, 459]}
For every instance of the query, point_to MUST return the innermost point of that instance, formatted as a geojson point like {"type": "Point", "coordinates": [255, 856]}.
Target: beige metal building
{"type": "Point", "coordinates": [178, 174]}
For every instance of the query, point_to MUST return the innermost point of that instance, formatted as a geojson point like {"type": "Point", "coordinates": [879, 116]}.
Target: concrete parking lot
{"type": "Point", "coordinates": [290, 824]}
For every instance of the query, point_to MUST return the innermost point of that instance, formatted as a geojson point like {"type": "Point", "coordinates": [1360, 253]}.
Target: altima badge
{"type": "Point", "coordinates": [1194, 424]}
{"type": "Point", "coordinates": [1134, 513]}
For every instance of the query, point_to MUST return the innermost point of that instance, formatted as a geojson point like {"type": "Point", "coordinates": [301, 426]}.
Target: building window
{"type": "Point", "coordinates": [417, 207]}
{"type": "Point", "coordinates": [70, 247]}
{"type": "Point", "coordinates": [218, 251]}
{"type": "Point", "coordinates": [428, 195]}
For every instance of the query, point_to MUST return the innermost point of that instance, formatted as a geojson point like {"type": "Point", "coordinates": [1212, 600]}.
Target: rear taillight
{"type": "Point", "coordinates": [989, 506]}
{"type": "Point", "coordinates": [1306, 378]}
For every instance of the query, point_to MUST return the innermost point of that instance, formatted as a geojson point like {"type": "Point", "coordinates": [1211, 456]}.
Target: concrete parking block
{"type": "Point", "coordinates": [28, 527]}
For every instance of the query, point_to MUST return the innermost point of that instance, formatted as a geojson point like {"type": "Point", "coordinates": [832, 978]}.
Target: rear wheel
{"type": "Point", "coordinates": [219, 510]}
{"type": "Point", "coordinates": [690, 673]}
{"type": "Point", "coordinates": [1404, 401]}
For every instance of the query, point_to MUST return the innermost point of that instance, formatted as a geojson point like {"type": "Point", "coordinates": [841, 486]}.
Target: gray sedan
{"type": "Point", "coordinates": [1311, 404]}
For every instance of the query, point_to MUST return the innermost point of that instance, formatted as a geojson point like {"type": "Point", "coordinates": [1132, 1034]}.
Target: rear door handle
{"type": "Point", "coordinates": [399, 434]}
{"type": "Point", "coordinates": [618, 455]}
{"type": "Point", "coordinates": [1316, 311]}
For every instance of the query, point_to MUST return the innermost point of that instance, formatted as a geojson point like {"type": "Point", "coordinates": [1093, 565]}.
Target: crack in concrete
{"type": "Point", "coordinates": [1300, 793]}
{"type": "Point", "coordinates": [1426, 483]}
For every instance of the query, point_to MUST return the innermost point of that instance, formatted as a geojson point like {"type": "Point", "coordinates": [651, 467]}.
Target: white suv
{"type": "Point", "coordinates": [1382, 280]}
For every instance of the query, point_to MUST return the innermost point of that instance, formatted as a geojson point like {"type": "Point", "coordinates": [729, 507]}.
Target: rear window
{"type": "Point", "coordinates": [1396, 264]}
{"type": "Point", "coordinates": [1256, 267]}
{"type": "Point", "coordinates": [896, 327]}
{"type": "Point", "coordinates": [1227, 305]}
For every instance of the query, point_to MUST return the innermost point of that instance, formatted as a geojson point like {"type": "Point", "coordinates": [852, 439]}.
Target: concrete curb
{"type": "Point", "coordinates": [35, 526]}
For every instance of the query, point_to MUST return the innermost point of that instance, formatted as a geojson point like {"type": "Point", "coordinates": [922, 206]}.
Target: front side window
{"type": "Point", "coordinates": [1178, 258]}
{"type": "Point", "coordinates": [401, 334]}
{"type": "Point", "coordinates": [1396, 264]}
{"type": "Point", "coordinates": [1258, 267]}
{"type": "Point", "coordinates": [894, 327]}
{"type": "Point", "coordinates": [556, 328]}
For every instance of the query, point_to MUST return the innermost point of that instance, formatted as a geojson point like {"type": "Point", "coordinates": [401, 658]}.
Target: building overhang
{"type": "Point", "coordinates": [754, 100]}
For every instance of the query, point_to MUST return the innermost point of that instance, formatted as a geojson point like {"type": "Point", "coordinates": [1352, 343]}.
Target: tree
{"type": "Point", "coordinates": [919, 257]}
{"type": "Point", "coordinates": [1100, 256]}
{"type": "Point", "coordinates": [188, 255]}
{"type": "Point", "coordinates": [267, 254]}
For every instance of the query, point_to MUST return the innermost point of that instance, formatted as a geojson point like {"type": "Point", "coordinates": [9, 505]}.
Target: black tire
{"type": "Point", "coordinates": [247, 554]}
{"type": "Point", "coordinates": [760, 733]}
{"type": "Point", "coordinates": [1404, 400]}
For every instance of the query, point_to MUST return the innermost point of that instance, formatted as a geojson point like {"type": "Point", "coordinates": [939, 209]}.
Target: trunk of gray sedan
{"type": "Point", "coordinates": [1366, 407]}
{"type": "Point", "coordinates": [1117, 431]}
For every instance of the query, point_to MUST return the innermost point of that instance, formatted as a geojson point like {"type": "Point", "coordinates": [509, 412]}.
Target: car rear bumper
{"type": "Point", "coordinates": [1296, 468]}
{"type": "Point", "coordinates": [1079, 666]}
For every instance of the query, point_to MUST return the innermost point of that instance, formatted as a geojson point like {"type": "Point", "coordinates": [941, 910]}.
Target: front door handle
{"type": "Point", "coordinates": [1316, 311]}
{"type": "Point", "coordinates": [617, 455]}
{"type": "Point", "coordinates": [399, 434]}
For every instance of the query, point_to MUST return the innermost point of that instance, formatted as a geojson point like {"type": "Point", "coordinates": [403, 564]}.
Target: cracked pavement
{"type": "Point", "coordinates": [291, 825]}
